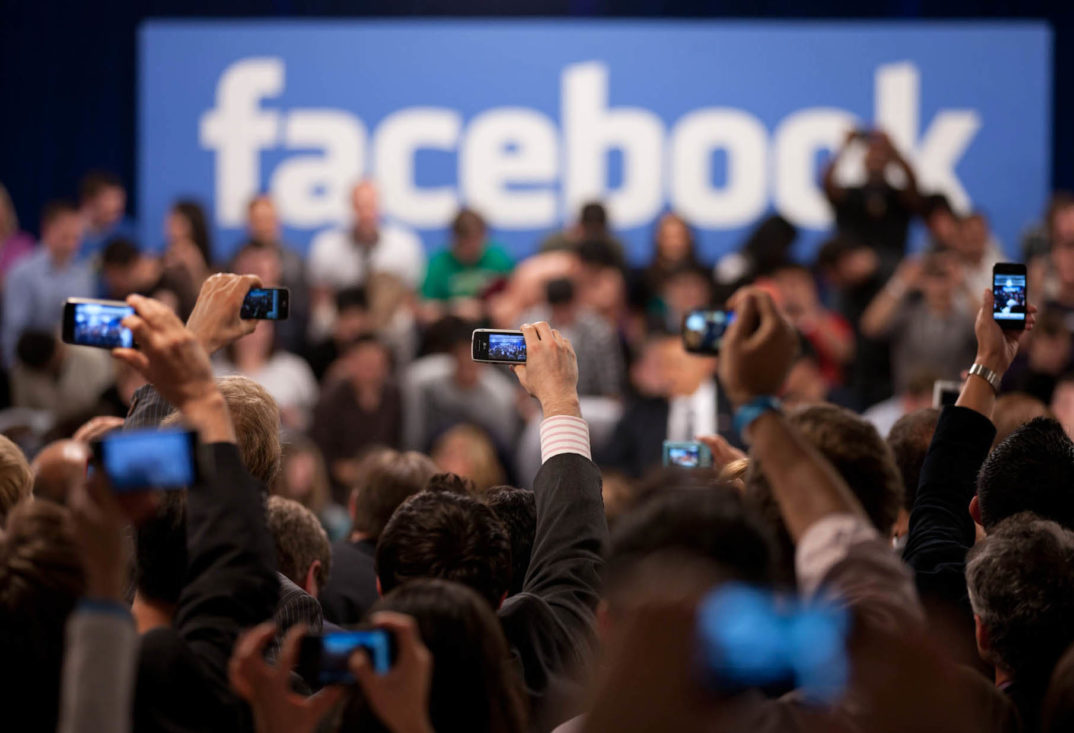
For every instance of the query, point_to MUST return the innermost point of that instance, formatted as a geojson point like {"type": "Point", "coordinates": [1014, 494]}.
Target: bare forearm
{"type": "Point", "coordinates": [881, 311]}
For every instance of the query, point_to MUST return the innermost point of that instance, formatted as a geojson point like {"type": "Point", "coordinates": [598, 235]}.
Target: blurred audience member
{"type": "Point", "coordinates": [125, 269]}
{"type": "Point", "coordinates": [465, 450]}
{"type": "Point", "coordinates": [304, 478]}
{"type": "Point", "coordinates": [16, 479]}
{"type": "Point", "coordinates": [828, 333]}
{"type": "Point", "coordinates": [875, 213]}
{"type": "Point", "coordinates": [38, 285]}
{"type": "Point", "coordinates": [285, 376]}
{"type": "Point", "coordinates": [806, 383]}
{"type": "Point", "coordinates": [978, 250]}
{"type": "Point", "coordinates": [188, 249]}
{"type": "Point", "coordinates": [362, 408]}
{"type": "Point", "coordinates": [592, 225]}
{"type": "Point", "coordinates": [1046, 357]}
{"type": "Point", "coordinates": [517, 509]}
{"type": "Point", "coordinates": [930, 327]}
{"type": "Point", "coordinates": [14, 243]}
{"type": "Point", "coordinates": [51, 375]}
{"type": "Point", "coordinates": [303, 554]}
{"type": "Point", "coordinates": [600, 280]}
{"type": "Point", "coordinates": [917, 395]}
{"type": "Point", "coordinates": [469, 266]}
{"type": "Point", "coordinates": [1015, 409]}
{"type": "Point", "coordinates": [909, 441]}
{"type": "Point", "coordinates": [674, 249]}
{"type": "Point", "coordinates": [942, 225]}
{"type": "Point", "coordinates": [1062, 405]}
{"type": "Point", "coordinates": [353, 319]}
{"type": "Point", "coordinates": [767, 249]}
{"type": "Point", "coordinates": [102, 202]}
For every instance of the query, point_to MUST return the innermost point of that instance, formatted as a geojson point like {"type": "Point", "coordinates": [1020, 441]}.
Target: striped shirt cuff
{"type": "Point", "coordinates": [826, 544]}
{"type": "Point", "coordinates": [564, 434]}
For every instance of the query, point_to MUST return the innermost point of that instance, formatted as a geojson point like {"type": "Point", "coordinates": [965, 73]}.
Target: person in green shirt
{"type": "Point", "coordinates": [471, 263]}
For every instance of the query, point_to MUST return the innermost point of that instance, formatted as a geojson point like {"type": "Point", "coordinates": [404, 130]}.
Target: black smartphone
{"type": "Point", "coordinates": [88, 322]}
{"type": "Point", "coordinates": [498, 347]}
{"type": "Point", "coordinates": [687, 454]}
{"type": "Point", "coordinates": [148, 459]}
{"type": "Point", "coordinates": [1010, 302]}
{"type": "Point", "coordinates": [703, 330]}
{"type": "Point", "coordinates": [323, 660]}
{"type": "Point", "coordinates": [266, 304]}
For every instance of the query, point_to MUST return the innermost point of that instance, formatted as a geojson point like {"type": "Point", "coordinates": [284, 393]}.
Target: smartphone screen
{"type": "Point", "coordinates": [266, 304]}
{"type": "Point", "coordinates": [149, 459]}
{"type": "Point", "coordinates": [703, 330]}
{"type": "Point", "coordinates": [499, 347]}
{"type": "Point", "coordinates": [325, 659]}
{"type": "Point", "coordinates": [1009, 295]}
{"type": "Point", "coordinates": [97, 323]}
{"type": "Point", "coordinates": [945, 393]}
{"type": "Point", "coordinates": [687, 454]}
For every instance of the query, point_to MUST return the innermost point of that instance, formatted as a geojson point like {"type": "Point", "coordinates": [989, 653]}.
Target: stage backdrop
{"type": "Point", "coordinates": [526, 120]}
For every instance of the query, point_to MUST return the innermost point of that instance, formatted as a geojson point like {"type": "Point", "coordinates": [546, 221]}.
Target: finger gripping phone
{"type": "Point", "coordinates": [498, 347]}
{"type": "Point", "coordinates": [687, 454]}
{"type": "Point", "coordinates": [1009, 300]}
{"type": "Point", "coordinates": [98, 323]}
{"type": "Point", "coordinates": [266, 304]}
{"type": "Point", "coordinates": [325, 659]}
{"type": "Point", "coordinates": [703, 330]}
{"type": "Point", "coordinates": [148, 459]}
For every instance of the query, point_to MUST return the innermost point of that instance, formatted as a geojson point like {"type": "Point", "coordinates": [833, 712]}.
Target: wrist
{"type": "Point", "coordinates": [562, 406]}
{"type": "Point", "coordinates": [998, 363]}
{"type": "Point", "coordinates": [752, 411]}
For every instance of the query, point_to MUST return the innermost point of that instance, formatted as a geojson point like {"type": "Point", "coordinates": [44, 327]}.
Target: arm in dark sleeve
{"type": "Point", "coordinates": [941, 529]}
{"type": "Point", "coordinates": [148, 409]}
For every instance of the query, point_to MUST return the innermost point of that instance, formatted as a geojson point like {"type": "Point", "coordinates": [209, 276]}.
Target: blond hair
{"type": "Point", "coordinates": [16, 478]}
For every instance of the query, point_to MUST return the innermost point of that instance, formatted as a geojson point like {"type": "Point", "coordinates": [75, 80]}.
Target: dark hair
{"type": "Point", "coordinates": [559, 291]}
{"type": "Point", "coordinates": [353, 297]}
{"type": "Point", "coordinates": [475, 687]}
{"type": "Point", "coordinates": [909, 441]}
{"type": "Point", "coordinates": [768, 246]}
{"type": "Point", "coordinates": [449, 536]}
{"type": "Point", "coordinates": [120, 252]}
{"type": "Point", "coordinates": [594, 214]}
{"type": "Point", "coordinates": [96, 181]}
{"type": "Point", "coordinates": [517, 509]}
{"type": "Point", "coordinates": [446, 334]}
{"type": "Point", "coordinates": [856, 451]}
{"type": "Point", "coordinates": [1030, 471]}
{"type": "Point", "coordinates": [1020, 580]}
{"type": "Point", "coordinates": [1015, 409]}
{"type": "Point", "coordinates": [35, 349]}
{"type": "Point", "coordinates": [54, 209]}
{"type": "Point", "coordinates": [195, 217]}
{"type": "Point", "coordinates": [451, 483]}
{"type": "Point", "coordinates": [834, 249]}
{"type": "Point", "coordinates": [300, 540]}
{"type": "Point", "coordinates": [160, 551]}
{"type": "Point", "coordinates": [710, 522]}
{"type": "Point", "coordinates": [468, 222]}
{"type": "Point", "coordinates": [41, 579]}
{"type": "Point", "coordinates": [934, 203]}
{"type": "Point", "coordinates": [598, 253]}
{"type": "Point", "coordinates": [386, 479]}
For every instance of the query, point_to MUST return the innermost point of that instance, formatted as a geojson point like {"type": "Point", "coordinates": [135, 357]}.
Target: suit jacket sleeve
{"type": "Point", "coordinates": [941, 529]}
{"type": "Point", "coordinates": [148, 409]}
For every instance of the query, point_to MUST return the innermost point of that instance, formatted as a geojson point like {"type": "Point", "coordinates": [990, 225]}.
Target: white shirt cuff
{"type": "Point", "coordinates": [564, 434]}
{"type": "Point", "coordinates": [825, 545]}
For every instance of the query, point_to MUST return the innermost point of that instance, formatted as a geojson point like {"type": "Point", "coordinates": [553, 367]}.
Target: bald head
{"type": "Point", "coordinates": [58, 469]}
{"type": "Point", "coordinates": [366, 206]}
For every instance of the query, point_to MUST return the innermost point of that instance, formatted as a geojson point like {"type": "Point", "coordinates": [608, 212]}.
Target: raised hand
{"type": "Point", "coordinates": [215, 320]}
{"type": "Point", "coordinates": [758, 349]}
{"type": "Point", "coordinates": [996, 348]}
{"type": "Point", "coordinates": [551, 370]}
{"type": "Point", "coordinates": [400, 698]}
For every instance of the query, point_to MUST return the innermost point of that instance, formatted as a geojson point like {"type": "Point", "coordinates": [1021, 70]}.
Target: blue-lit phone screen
{"type": "Point", "coordinates": [337, 647]}
{"type": "Point", "coordinates": [507, 347]}
{"type": "Point", "coordinates": [261, 303]}
{"type": "Point", "coordinates": [684, 456]}
{"type": "Point", "coordinates": [159, 459]}
{"type": "Point", "coordinates": [98, 324]}
{"type": "Point", "coordinates": [1009, 297]}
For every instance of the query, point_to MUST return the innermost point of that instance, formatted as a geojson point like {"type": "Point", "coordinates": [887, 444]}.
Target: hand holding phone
{"type": "Point", "coordinates": [97, 323]}
{"type": "Point", "coordinates": [1010, 302]}
{"type": "Point", "coordinates": [267, 304]}
{"type": "Point", "coordinates": [492, 346]}
{"type": "Point", "coordinates": [325, 660]}
{"type": "Point", "coordinates": [687, 454]}
{"type": "Point", "coordinates": [703, 330]}
{"type": "Point", "coordinates": [141, 460]}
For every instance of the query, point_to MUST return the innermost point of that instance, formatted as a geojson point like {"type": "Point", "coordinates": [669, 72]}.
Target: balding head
{"type": "Point", "coordinates": [366, 206]}
{"type": "Point", "coordinates": [58, 469]}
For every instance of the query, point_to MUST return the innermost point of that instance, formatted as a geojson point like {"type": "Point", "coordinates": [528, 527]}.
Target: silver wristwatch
{"type": "Point", "coordinates": [986, 374]}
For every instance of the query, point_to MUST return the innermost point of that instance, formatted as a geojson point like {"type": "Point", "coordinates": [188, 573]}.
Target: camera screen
{"type": "Point", "coordinates": [507, 347]}
{"type": "Point", "coordinates": [157, 459]}
{"type": "Point", "coordinates": [98, 324]}
{"type": "Point", "coordinates": [261, 303]}
{"type": "Point", "coordinates": [1010, 297]}
{"type": "Point", "coordinates": [686, 456]}
{"type": "Point", "coordinates": [702, 331]}
{"type": "Point", "coordinates": [337, 647]}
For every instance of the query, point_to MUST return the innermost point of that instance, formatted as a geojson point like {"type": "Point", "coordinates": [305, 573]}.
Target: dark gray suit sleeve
{"type": "Point", "coordinates": [148, 409]}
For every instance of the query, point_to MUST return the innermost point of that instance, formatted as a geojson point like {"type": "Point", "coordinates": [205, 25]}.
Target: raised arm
{"type": "Point", "coordinates": [833, 190]}
{"type": "Point", "coordinates": [880, 316]}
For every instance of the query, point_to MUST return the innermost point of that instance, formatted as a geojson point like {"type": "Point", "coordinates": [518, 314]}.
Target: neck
{"type": "Point", "coordinates": [149, 614]}
{"type": "Point", "coordinates": [1003, 677]}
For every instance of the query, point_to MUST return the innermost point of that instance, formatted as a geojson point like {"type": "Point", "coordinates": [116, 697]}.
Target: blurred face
{"type": "Point", "coordinates": [877, 158]}
{"type": "Point", "coordinates": [368, 365]}
{"type": "Point", "coordinates": [943, 226]}
{"type": "Point", "coordinates": [937, 289]}
{"type": "Point", "coordinates": [673, 239]}
{"type": "Point", "coordinates": [1063, 225]}
{"type": "Point", "coordinates": [351, 323]}
{"type": "Point", "coordinates": [1063, 259]}
{"type": "Point", "coordinates": [467, 371]}
{"type": "Point", "coordinates": [805, 384]}
{"type": "Point", "coordinates": [469, 245]}
{"type": "Point", "coordinates": [974, 237]}
{"type": "Point", "coordinates": [687, 291]}
{"type": "Point", "coordinates": [176, 227]}
{"type": "Point", "coordinates": [299, 474]}
{"type": "Point", "coordinates": [63, 236]}
{"type": "Point", "coordinates": [109, 205]}
{"type": "Point", "coordinates": [366, 207]}
{"type": "Point", "coordinates": [259, 342]}
{"type": "Point", "coordinates": [857, 266]}
{"type": "Point", "coordinates": [797, 291]}
{"type": "Point", "coordinates": [263, 224]}
{"type": "Point", "coordinates": [264, 263]}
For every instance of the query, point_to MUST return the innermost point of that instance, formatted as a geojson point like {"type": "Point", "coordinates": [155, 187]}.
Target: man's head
{"type": "Point", "coordinates": [517, 509]}
{"type": "Point", "coordinates": [368, 362]}
{"type": "Point", "coordinates": [61, 230]}
{"type": "Point", "coordinates": [365, 205]}
{"type": "Point", "coordinates": [352, 314]}
{"type": "Point", "coordinates": [1015, 409]}
{"type": "Point", "coordinates": [878, 154]}
{"type": "Point", "coordinates": [468, 233]}
{"type": "Point", "coordinates": [386, 478]}
{"type": "Point", "coordinates": [1020, 580]}
{"type": "Point", "coordinates": [103, 198]}
{"type": "Point", "coordinates": [593, 220]}
{"type": "Point", "coordinates": [846, 262]}
{"type": "Point", "coordinates": [120, 265]}
{"type": "Point", "coordinates": [303, 553]}
{"type": "Point", "coordinates": [58, 469]}
{"type": "Point", "coordinates": [1060, 217]}
{"type": "Point", "coordinates": [973, 236]}
{"type": "Point", "coordinates": [16, 479]}
{"type": "Point", "coordinates": [940, 219]}
{"type": "Point", "coordinates": [447, 536]}
{"type": "Point", "coordinates": [1030, 471]}
{"type": "Point", "coordinates": [262, 222]}
{"type": "Point", "coordinates": [909, 441]}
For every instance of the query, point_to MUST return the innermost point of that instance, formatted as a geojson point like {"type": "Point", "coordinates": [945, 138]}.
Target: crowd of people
{"type": "Point", "coordinates": [513, 529]}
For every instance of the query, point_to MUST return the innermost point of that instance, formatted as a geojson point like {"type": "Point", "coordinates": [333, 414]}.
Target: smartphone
{"type": "Point", "coordinates": [322, 660]}
{"type": "Point", "coordinates": [266, 304]}
{"type": "Point", "coordinates": [1009, 293]}
{"type": "Point", "coordinates": [498, 347]}
{"type": "Point", "coordinates": [88, 322]}
{"type": "Point", "coordinates": [750, 637]}
{"type": "Point", "coordinates": [703, 330]}
{"type": "Point", "coordinates": [945, 393]}
{"type": "Point", "coordinates": [687, 454]}
{"type": "Point", "coordinates": [148, 459]}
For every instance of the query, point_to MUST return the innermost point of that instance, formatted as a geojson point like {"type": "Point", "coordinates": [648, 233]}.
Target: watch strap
{"type": "Point", "coordinates": [980, 370]}
{"type": "Point", "coordinates": [750, 411]}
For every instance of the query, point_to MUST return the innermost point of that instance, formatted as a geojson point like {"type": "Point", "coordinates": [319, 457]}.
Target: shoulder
{"type": "Point", "coordinates": [327, 241]}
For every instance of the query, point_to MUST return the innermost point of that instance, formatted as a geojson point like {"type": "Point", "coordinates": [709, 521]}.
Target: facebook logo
{"type": "Point", "coordinates": [525, 121]}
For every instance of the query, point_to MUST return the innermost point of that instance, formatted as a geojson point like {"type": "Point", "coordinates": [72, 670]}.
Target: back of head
{"type": "Point", "coordinates": [909, 441]}
{"type": "Point", "coordinates": [41, 579]}
{"type": "Point", "coordinates": [16, 479]}
{"type": "Point", "coordinates": [119, 253]}
{"type": "Point", "coordinates": [36, 349]}
{"type": "Point", "coordinates": [448, 536]}
{"type": "Point", "coordinates": [386, 479]}
{"type": "Point", "coordinates": [160, 551]}
{"type": "Point", "coordinates": [300, 541]}
{"type": "Point", "coordinates": [474, 686]}
{"type": "Point", "coordinates": [96, 182]}
{"type": "Point", "coordinates": [1020, 580]}
{"type": "Point", "coordinates": [517, 509]}
{"type": "Point", "coordinates": [1030, 471]}
{"type": "Point", "coordinates": [58, 468]}
{"type": "Point", "coordinates": [1013, 410]}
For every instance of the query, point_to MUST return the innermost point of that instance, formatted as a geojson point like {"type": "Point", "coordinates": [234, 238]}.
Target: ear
{"type": "Point", "coordinates": [352, 501]}
{"type": "Point", "coordinates": [310, 583]}
{"type": "Point", "coordinates": [604, 621]}
{"type": "Point", "coordinates": [975, 510]}
{"type": "Point", "coordinates": [502, 599]}
{"type": "Point", "coordinates": [902, 524]}
{"type": "Point", "coordinates": [380, 593]}
{"type": "Point", "coordinates": [980, 632]}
